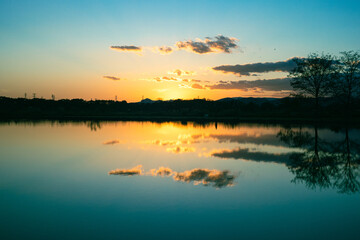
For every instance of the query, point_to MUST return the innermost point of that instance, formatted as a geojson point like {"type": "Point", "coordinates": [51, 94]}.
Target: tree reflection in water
{"type": "Point", "coordinates": [323, 164]}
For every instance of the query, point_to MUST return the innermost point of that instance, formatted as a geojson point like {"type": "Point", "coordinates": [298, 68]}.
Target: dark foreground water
{"type": "Point", "coordinates": [142, 180]}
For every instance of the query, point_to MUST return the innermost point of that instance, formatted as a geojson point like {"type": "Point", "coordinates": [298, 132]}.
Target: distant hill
{"type": "Point", "coordinates": [147, 100]}
{"type": "Point", "coordinates": [228, 99]}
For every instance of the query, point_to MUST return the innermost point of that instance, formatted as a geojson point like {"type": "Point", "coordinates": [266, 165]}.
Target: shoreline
{"type": "Point", "coordinates": [265, 119]}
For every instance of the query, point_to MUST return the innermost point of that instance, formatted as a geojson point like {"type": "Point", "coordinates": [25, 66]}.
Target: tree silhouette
{"type": "Point", "coordinates": [93, 125]}
{"type": "Point", "coordinates": [348, 77]}
{"type": "Point", "coordinates": [315, 166]}
{"type": "Point", "coordinates": [349, 161]}
{"type": "Point", "coordinates": [313, 76]}
{"type": "Point", "coordinates": [323, 164]}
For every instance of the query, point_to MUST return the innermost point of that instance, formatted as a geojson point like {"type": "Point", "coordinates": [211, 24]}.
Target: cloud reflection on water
{"type": "Point", "coordinates": [137, 170]}
{"type": "Point", "coordinates": [197, 176]}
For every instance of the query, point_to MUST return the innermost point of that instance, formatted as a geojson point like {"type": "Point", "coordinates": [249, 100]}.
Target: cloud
{"type": "Point", "coordinates": [162, 171]}
{"type": "Point", "coordinates": [127, 48]}
{"type": "Point", "coordinates": [166, 142]}
{"type": "Point", "coordinates": [247, 69]}
{"type": "Point", "coordinates": [180, 72]}
{"type": "Point", "coordinates": [112, 142]}
{"type": "Point", "coordinates": [206, 177]}
{"type": "Point", "coordinates": [196, 47]}
{"type": "Point", "coordinates": [214, 178]}
{"type": "Point", "coordinates": [242, 153]}
{"type": "Point", "coordinates": [177, 79]}
{"type": "Point", "coordinates": [127, 172]}
{"type": "Point", "coordinates": [195, 80]}
{"type": "Point", "coordinates": [264, 139]}
{"type": "Point", "coordinates": [180, 149]}
{"type": "Point", "coordinates": [175, 146]}
{"type": "Point", "coordinates": [112, 78]}
{"type": "Point", "coordinates": [219, 44]}
{"type": "Point", "coordinates": [278, 84]}
{"type": "Point", "coordinates": [165, 50]}
{"type": "Point", "coordinates": [161, 79]}
{"type": "Point", "coordinates": [222, 43]}
{"type": "Point", "coordinates": [197, 86]}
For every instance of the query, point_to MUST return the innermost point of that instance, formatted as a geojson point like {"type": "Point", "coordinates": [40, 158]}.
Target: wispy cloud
{"type": "Point", "coordinates": [112, 78]}
{"type": "Point", "coordinates": [112, 142]}
{"type": "Point", "coordinates": [247, 69]}
{"type": "Point", "coordinates": [127, 48]}
{"type": "Point", "coordinates": [180, 72]}
{"type": "Point", "coordinates": [127, 172]}
{"type": "Point", "coordinates": [165, 78]}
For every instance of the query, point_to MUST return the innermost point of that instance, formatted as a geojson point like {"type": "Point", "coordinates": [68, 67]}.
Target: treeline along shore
{"type": "Point", "coordinates": [253, 109]}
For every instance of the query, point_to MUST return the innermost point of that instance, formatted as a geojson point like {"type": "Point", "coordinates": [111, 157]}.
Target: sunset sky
{"type": "Point", "coordinates": [165, 49]}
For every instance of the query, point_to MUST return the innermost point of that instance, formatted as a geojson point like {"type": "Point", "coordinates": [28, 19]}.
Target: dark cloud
{"type": "Point", "coordinates": [197, 47]}
{"type": "Point", "coordinates": [242, 153]}
{"type": "Point", "coordinates": [279, 84]}
{"type": "Point", "coordinates": [112, 78]}
{"type": "Point", "coordinates": [127, 48]}
{"type": "Point", "coordinates": [266, 139]}
{"type": "Point", "coordinates": [197, 86]}
{"type": "Point", "coordinates": [222, 43]}
{"type": "Point", "coordinates": [219, 44]}
{"type": "Point", "coordinates": [247, 69]}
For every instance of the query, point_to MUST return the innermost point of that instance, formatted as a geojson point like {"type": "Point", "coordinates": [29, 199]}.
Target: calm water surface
{"type": "Point", "coordinates": [137, 180]}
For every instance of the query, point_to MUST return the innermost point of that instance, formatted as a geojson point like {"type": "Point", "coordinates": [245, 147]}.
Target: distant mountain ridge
{"type": "Point", "coordinates": [228, 99]}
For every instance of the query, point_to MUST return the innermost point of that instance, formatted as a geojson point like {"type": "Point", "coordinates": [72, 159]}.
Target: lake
{"type": "Point", "coordinates": [178, 180]}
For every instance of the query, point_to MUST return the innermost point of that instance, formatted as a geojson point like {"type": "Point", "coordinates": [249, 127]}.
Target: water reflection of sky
{"type": "Point", "coordinates": [178, 177]}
